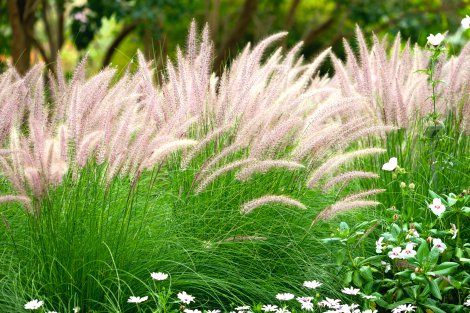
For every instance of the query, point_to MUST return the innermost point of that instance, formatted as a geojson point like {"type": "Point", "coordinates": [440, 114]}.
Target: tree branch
{"type": "Point", "coordinates": [52, 42]}
{"type": "Point", "coordinates": [125, 31]}
{"type": "Point", "coordinates": [60, 9]}
{"type": "Point", "coordinates": [316, 32]}
{"type": "Point", "coordinates": [291, 14]}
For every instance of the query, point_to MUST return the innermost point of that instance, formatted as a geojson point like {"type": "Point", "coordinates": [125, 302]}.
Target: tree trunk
{"type": "Point", "coordinates": [20, 45]}
{"type": "Point", "coordinates": [228, 45]}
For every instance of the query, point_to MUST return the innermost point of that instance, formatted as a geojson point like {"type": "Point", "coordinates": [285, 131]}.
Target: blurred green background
{"type": "Point", "coordinates": [111, 31]}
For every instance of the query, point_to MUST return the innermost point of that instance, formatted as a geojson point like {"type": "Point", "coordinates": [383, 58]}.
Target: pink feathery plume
{"type": "Point", "coordinates": [343, 206]}
{"type": "Point", "coordinates": [345, 178]}
{"type": "Point", "coordinates": [266, 165]}
{"type": "Point", "coordinates": [249, 206]}
{"type": "Point", "coordinates": [337, 161]}
{"type": "Point", "coordinates": [206, 180]}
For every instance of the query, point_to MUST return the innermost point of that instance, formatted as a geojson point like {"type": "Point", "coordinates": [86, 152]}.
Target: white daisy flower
{"type": "Point", "coordinates": [159, 276]}
{"type": "Point", "coordinates": [33, 305]}
{"type": "Point", "coordinates": [312, 284]}
{"type": "Point", "coordinates": [185, 298]}
{"type": "Point", "coordinates": [330, 303]}
{"type": "Point", "coordinates": [133, 299]}
{"type": "Point", "coordinates": [351, 291]}
{"type": "Point", "coordinates": [369, 297]}
{"type": "Point", "coordinates": [242, 308]}
{"type": "Point", "coordinates": [285, 296]}
{"type": "Point", "coordinates": [269, 308]}
{"type": "Point", "coordinates": [404, 308]}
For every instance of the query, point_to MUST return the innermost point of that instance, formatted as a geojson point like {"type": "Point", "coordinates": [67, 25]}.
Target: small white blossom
{"type": "Point", "coordinates": [351, 291]}
{"type": "Point", "coordinates": [412, 233]}
{"type": "Point", "coordinates": [467, 302]}
{"type": "Point", "coordinates": [269, 308]}
{"type": "Point", "coordinates": [307, 306]}
{"type": "Point", "coordinates": [387, 266]}
{"type": "Point", "coordinates": [466, 22]}
{"type": "Point", "coordinates": [408, 252]}
{"type": "Point", "coordinates": [370, 311]}
{"type": "Point", "coordinates": [285, 296]}
{"type": "Point", "coordinates": [81, 17]}
{"type": "Point", "coordinates": [282, 310]}
{"type": "Point", "coordinates": [435, 40]}
{"type": "Point", "coordinates": [76, 309]}
{"type": "Point", "coordinates": [51, 312]}
{"type": "Point", "coordinates": [242, 308]}
{"type": "Point", "coordinates": [330, 303]}
{"type": "Point", "coordinates": [133, 299]}
{"type": "Point", "coordinates": [33, 304]}
{"type": "Point", "coordinates": [213, 311]}
{"type": "Point", "coordinates": [437, 243]}
{"type": "Point", "coordinates": [159, 276]}
{"type": "Point", "coordinates": [313, 284]}
{"type": "Point", "coordinates": [379, 245]}
{"type": "Point", "coordinates": [395, 253]}
{"type": "Point", "coordinates": [391, 165]}
{"type": "Point", "coordinates": [185, 298]}
{"type": "Point", "coordinates": [369, 297]}
{"type": "Point", "coordinates": [454, 231]}
{"type": "Point", "coordinates": [404, 308]}
{"type": "Point", "coordinates": [192, 311]}
{"type": "Point", "coordinates": [304, 299]}
{"type": "Point", "coordinates": [437, 207]}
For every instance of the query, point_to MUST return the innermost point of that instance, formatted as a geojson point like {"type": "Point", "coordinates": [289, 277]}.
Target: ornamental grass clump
{"type": "Point", "coordinates": [213, 178]}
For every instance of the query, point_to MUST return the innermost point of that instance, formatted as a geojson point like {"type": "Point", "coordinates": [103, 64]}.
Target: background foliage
{"type": "Point", "coordinates": [112, 31]}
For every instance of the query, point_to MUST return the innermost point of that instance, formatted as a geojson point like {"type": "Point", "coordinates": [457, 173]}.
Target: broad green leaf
{"type": "Point", "coordinates": [451, 199]}
{"type": "Point", "coordinates": [348, 278]}
{"type": "Point", "coordinates": [423, 252]}
{"type": "Point", "coordinates": [435, 309]}
{"type": "Point", "coordinates": [435, 291]}
{"type": "Point", "coordinates": [433, 257]}
{"type": "Point", "coordinates": [357, 279]}
{"type": "Point", "coordinates": [395, 230]}
{"type": "Point", "coordinates": [366, 273]}
{"type": "Point", "coordinates": [445, 268]}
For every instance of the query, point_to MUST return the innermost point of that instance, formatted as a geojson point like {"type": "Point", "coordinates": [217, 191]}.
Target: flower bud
{"type": "Point", "coordinates": [402, 185]}
{"type": "Point", "coordinates": [396, 217]}
{"type": "Point", "coordinates": [411, 186]}
{"type": "Point", "coordinates": [429, 240]}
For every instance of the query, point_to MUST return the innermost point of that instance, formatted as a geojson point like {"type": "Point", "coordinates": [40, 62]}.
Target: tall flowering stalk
{"type": "Point", "coordinates": [436, 48]}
